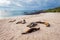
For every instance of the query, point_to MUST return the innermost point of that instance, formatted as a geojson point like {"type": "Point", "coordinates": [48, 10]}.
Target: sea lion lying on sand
{"type": "Point", "coordinates": [33, 24]}
{"type": "Point", "coordinates": [46, 23]}
{"type": "Point", "coordinates": [23, 22]}
{"type": "Point", "coordinates": [12, 21]}
{"type": "Point", "coordinates": [31, 30]}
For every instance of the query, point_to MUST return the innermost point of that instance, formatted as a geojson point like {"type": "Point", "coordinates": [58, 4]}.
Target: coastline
{"type": "Point", "coordinates": [24, 15]}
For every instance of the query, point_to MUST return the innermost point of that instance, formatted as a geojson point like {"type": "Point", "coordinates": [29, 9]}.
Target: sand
{"type": "Point", "coordinates": [12, 31]}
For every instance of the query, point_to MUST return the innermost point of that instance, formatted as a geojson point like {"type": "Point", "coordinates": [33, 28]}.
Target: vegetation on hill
{"type": "Point", "coordinates": [57, 9]}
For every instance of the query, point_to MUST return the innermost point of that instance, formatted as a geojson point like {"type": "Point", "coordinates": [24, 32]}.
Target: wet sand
{"type": "Point", "coordinates": [12, 31]}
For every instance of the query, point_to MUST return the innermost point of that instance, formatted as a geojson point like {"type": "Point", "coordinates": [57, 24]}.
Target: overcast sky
{"type": "Point", "coordinates": [11, 5]}
{"type": "Point", "coordinates": [32, 4]}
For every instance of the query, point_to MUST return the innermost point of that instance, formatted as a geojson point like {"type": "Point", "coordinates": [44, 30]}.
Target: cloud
{"type": "Point", "coordinates": [4, 2]}
{"type": "Point", "coordinates": [17, 4]}
{"type": "Point", "coordinates": [28, 1]}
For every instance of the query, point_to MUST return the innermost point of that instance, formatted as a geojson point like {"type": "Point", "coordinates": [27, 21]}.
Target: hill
{"type": "Point", "coordinates": [57, 9]}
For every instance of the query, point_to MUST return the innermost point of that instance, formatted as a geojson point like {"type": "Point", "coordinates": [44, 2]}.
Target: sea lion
{"type": "Point", "coordinates": [46, 23]}
{"type": "Point", "coordinates": [31, 30]}
{"type": "Point", "coordinates": [23, 22]}
{"type": "Point", "coordinates": [33, 24]}
{"type": "Point", "coordinates": [19, 22]}
{"type": "Point", "coordinates": [39, 22]}
{"type": "Point", "coordinates": [12, 21]}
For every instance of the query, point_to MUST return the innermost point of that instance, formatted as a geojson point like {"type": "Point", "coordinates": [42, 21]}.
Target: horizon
{"type": "Point", "coordinates": [18, 7]}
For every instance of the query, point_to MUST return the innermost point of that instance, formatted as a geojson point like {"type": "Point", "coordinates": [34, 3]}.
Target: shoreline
{"type": "Point", "coordinates": [22, 15]}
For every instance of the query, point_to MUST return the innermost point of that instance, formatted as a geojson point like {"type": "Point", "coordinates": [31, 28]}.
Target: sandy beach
{"type": "Point", "coordinates": [12, 31]}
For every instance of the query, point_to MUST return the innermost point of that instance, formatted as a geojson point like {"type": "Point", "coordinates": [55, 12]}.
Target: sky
{"type": "Point", "coordinates": [8, 7]}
